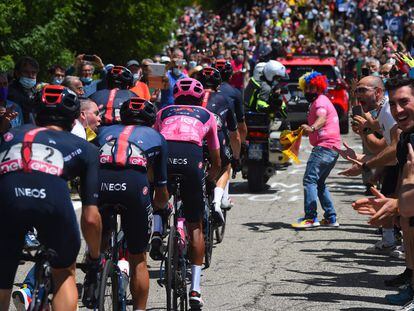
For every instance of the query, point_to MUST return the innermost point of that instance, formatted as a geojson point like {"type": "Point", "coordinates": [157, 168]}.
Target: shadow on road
{"type": "Point", "coordinates": [333, 298]}
{"type": "Point", "coordinates": [266, 226]}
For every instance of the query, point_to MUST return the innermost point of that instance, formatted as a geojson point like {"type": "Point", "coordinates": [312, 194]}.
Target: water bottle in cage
{"type": "Point", "coordinates": [123, 266]}
{"type": "Point", "coordinates": [182, 231]}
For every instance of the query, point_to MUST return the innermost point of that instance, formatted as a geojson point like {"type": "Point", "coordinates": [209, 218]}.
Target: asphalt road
{"type": "Point", "coordinates": [263, 264]}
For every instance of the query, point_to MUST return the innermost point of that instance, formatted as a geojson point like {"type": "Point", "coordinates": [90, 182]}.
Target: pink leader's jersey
{"type": "Point", "coordinates": [188, 124]}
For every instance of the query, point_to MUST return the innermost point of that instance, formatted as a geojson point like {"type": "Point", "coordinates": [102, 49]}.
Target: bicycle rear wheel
{"type": "Point", "coordinates": [171, 269]}
{"type": "Point", "coordinates": [220, 230]}
{"type": "Point", "coordinates": [109, 288]}
{"type": "Point", "coordinates": [208, 238]}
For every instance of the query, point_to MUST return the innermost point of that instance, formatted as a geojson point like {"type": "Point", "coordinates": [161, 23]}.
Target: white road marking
{"type": "Point", "coordinates": [294, 191]}
{"type": "Point", "coordinates": [294, 198]}
{"type": "Point", "coordinates": [283, 185]}
{"type": "Point", "coordinates": [264, 198]}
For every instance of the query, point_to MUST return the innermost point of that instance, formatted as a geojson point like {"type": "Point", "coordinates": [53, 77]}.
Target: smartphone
{"type": "Point", "coordinates": [89, 58]}
{"type": "Point", "coordinates": [357, 111]}
{"type": "Point", "coordinates": [246, 44]}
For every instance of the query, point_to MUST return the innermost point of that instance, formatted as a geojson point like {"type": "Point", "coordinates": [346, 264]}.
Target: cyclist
{"type": "Point", "coordinates": [127, 150]}
{"type": "Point", "coordinates": [35, 164]}
{"type": "Point", "coordinates": [234, 97]}
{"type": "Point", "coordinates": [118, 79]}
{"type": "Point", "coordinates": [228, 135]}
{"type": "Point", "coordinates": [185, 125]}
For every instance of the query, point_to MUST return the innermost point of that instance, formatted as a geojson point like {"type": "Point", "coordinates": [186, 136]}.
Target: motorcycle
{"type": "Point", "coordinates": [262, 156]}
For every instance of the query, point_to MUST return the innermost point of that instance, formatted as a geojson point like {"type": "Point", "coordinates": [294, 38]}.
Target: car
{"type": "Point", "coordinates": [296, 66]}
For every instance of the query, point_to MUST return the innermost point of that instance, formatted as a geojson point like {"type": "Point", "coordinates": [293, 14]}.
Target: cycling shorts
{"type": "Point", "coordinates": [225, 150]}
{"type": "Point", "coordinates": [36, 200]}
{"type": "Point", "coordinates": [187, 159]}
{"type": "Point", "coordinates": [129, 188]}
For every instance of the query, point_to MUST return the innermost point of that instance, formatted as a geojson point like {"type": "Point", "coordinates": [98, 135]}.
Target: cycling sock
{"type": "Point", "coordinates": [195, 277]}
{"type": "Point", "coordinates": [158, 224]}
{"type": "Point", "coordinates": [226, 192]}
{"type": "Point", "coordinates": [218, 195]}
{"type": "Point", "coordinates": [388, 236]}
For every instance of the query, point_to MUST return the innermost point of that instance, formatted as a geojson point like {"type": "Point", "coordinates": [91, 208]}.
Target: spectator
{"type": "Point", "coordinates": [75, 84]}
{"type": "Point", "coordinates": [139, 87]}
{"type": "Point", "coordinates": [86, 126]}
{"type": "Point", "coordinates": [174, 73]}
{"type": "Point", "coordinates": [10, 113]}
{"type": "Point", "coordinates": [323, 131]}
{"type": "Point", "coordinates": [23, 87]}
{"type": "Point", "coordinates": [57, 73]}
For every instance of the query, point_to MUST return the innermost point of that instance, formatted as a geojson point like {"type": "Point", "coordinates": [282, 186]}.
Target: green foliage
{"type": "Point", "coordinates": [54, 31]}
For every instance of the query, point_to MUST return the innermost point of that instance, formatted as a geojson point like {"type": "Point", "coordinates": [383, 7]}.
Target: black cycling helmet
{"type": "Point", "coordinates": [119, 77]}
{"type": "Point", "coordinates": [225, 68]}
{"type": "Point", "coordinates": [138, 111]}
{"type": "Point", "coordinates": [56, 105]}
{"type": "Point", "coordinates": [210, 77]}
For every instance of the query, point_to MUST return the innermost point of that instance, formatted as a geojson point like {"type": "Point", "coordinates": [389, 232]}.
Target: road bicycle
{"type": "Point", "coordinates": [42, 257]}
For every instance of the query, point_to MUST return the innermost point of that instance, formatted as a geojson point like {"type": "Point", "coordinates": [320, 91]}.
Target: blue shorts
{"type": "Point", "coordinates": [131, 189]}
{"type": "Point", "coordinates": [187, 159]}
{"type": "Point", "coordinates": [35, 200]}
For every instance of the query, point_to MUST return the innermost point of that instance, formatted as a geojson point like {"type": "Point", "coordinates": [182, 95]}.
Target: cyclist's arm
{"type": "Point", "coordinates": [214, 148]}
{"type": "Point", "coordinates": [235, 143]}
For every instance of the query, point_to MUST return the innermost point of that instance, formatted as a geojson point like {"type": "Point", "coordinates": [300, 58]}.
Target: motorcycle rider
{"type": "Point", "coordinates": [264, 92]}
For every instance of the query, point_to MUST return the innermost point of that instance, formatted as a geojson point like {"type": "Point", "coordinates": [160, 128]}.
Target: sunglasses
{"type": "Point", "coordinates": [363, 89]}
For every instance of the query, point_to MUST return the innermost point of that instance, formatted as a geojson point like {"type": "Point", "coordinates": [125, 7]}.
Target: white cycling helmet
{"type": "Point", "coordinates": [258, 70]}
{"type": "Point", "coordinates": [274, 69]}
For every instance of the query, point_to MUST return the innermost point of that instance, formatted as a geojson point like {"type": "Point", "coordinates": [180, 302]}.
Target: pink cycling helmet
{"type": "Point", "coordinates": [188, 91]}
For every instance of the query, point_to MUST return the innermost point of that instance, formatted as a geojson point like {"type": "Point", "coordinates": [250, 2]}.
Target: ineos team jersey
{"type": "Point", "coordinates": [39, 150]}
{"type": "Point", "coordinates": [133, 147]}
{"type": "Point", "coordinates": [217, 104]}
{"type": "Point", "coordinates": [109, 103]}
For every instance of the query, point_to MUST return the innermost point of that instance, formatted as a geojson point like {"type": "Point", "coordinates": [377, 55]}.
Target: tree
{"type": "Point", "coordinates": [120, 30]}
{"type": "Point", "coordinates": [41, 29]}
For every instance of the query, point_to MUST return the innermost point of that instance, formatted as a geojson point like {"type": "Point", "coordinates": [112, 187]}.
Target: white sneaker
{"type": "Point", "coordinates": [380, 248]}
{"type": "Point", "coordinates": [398, 252]}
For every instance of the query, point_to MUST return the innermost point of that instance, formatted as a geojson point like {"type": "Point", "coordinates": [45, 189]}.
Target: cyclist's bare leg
{"type": "Point", "coordinates": [65, 297]}
{"type": "Point", "coordinates": [5, 299]}
{"type": "Point", "coordinates": [224, 178]}
{"type": "Point", "coordinates": [91, 225]}
{"type": "Point", "coordinates": [195, 231]}
{"type": "Point", "coordinates": [139, 280]}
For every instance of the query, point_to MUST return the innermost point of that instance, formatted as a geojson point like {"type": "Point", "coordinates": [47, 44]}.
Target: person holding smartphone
{"type": "Point", "coordinates": [174, 73]}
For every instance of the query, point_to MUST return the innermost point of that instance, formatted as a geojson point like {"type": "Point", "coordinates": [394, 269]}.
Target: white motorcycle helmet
{"type": "Point", "coordinates": [274, 69]}
{"type": "Point", "coordinates": [258, 70]}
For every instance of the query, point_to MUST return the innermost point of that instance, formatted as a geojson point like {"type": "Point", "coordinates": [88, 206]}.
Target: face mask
{"type": "Point", "coordinates": [311, 97]}
{"type": "Point", "coordinates": [86, 80]}
{"type": "Point", "coordinates": [176, 72]}
{"type": "Point", "coordinates": [375, 74]}
{"type": "Point", "coordinates": [3, 93]}
{"type": "Point", "coordinates": [27, 83]}
{"type": "Point", "coordinates": [90, 134]}
{"type": "Point", "coordinates": [136, 76]}
{"type": "Point", "coordinates": [56, 81]}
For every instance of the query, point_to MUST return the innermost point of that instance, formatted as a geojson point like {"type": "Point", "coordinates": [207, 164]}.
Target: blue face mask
{"type": "Point", "coordinates": [4, 91]}
{"type": "Point", "coordinates": [86, 80]}
{"type": "Point", "coordinates": [56, 81]}
{"type": "Point", "coordinates": [27, 83]}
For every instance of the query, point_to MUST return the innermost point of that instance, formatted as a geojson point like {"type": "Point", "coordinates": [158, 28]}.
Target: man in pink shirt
{"type": "Point", "coordinates": [324, 135]}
